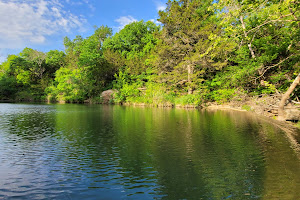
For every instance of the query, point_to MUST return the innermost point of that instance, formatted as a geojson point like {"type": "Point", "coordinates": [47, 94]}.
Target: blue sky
{"type": "Point", "coordinates": [42, 24]}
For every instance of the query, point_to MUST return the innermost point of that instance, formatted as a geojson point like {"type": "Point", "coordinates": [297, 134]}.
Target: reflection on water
{"type": "Point", "coordinates": [114, 152]}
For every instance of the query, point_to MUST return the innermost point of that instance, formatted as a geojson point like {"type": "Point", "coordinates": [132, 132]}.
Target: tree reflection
{"type": "Point", "coordinates": [177, 153]}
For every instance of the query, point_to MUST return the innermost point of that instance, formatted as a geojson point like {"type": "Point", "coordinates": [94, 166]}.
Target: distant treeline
{"type": "Point", "coordinates": [202, 51]}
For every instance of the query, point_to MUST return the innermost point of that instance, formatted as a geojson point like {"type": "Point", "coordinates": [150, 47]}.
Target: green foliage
{"type": "Point", "coordinates": [140, 89]}
{"type": "Point", "coordinates": [126, 89]}
{"type": "Point", "coordinates": [298, 125]}
{"type": "Point", "coordinates": [191, 47]}
{"type": "Point", "coordinates": [204, 51]}
{"type": "Point", "coordinates": [133, 43]}
{"type": "Point", "coordinates": [68, 86]}
{"type": "Point", "coordinates": [54, 60]}
{"type": "Point", "coordinates": [223, 95]}
{"type": "Point", "coordinates": [84, 71]}
{"type": "Point", "coordinates": [189, 99]}
{"type": "Point", "coordinates": [246, 107]}
{"type": "Point", "coordinates": [26, 95]}
{"type": "Point", "coordinates": [8, 87]}
{"type": "Point", "coordinates": [22, 74]}
{"type": "Point", "coordinates": [267, 34]}
{"type": "Point", "coordinates": [156, 94]}
{"type": "Point", "coordinates": [129, 92]}
{"type": "Point", "coordinates": [269, 88]}
{"type": "Point", "coordinates": [135, 39]}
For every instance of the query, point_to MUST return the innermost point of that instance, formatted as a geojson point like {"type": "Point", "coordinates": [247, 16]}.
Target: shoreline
{"type": "Point", "coordinates": [250, 106]}
{"type": "Point", "coordinates": [289, 128]}
{"type": "Point", "coordinates": [292, 132]}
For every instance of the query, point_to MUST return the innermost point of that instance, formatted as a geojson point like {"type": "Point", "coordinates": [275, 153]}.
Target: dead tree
{"type": "Point", "coordinates": [285, 97]}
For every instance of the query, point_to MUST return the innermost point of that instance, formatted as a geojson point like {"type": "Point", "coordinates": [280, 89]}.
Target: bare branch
{"type": "Point", "coordinates": [246, 34]}
{"type": "Point", "coordinates": [285, 96]}
{"type": "Point", "coordinates": [295, 102]}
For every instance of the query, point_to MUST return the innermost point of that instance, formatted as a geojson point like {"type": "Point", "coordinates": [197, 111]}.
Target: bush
{"type": "Point", "coordinates": [8, 87]}
{"type": "Point", "coordinates": [25, 96]}
{"type": "Point", "coordinates": [223, 95]}
{"type": "Point", "coordinates": [246, 107]}
{"type": "Point", "coordinates": [189, 99]}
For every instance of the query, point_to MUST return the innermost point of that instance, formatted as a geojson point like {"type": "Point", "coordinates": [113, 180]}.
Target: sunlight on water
{"type": "Point", "coordinates": [115, 152]}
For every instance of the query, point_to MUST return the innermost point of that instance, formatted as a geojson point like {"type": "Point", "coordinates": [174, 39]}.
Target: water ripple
{"type": "Point", "coordinates": [98, 152]}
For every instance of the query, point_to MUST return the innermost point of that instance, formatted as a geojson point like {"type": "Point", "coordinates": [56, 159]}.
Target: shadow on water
{"type": "Point", "coordinates": [115, 152]}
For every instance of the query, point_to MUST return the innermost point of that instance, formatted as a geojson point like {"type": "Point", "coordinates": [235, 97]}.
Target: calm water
{"type": "Point", "coordinates": [114, 152]}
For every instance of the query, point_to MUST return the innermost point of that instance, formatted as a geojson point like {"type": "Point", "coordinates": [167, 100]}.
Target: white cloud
{"type": "Point", "coordinates": [32, 21]}
{"type": "Point", "coordinates": [124, 20]}
{"type": "Point", "coordinates": [160, 5]}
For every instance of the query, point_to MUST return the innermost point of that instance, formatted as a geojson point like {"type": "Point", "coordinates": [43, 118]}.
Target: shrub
{"type": "Point", "coordinates": [223, 95]}
{"type": "Point", "coordinates": [246, 107]}
{"type": "Point", "coordinates": [189, 99]}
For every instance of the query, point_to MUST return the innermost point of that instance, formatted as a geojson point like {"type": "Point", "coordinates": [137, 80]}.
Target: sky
{"type": "Point", "coordinates": [42, 24]}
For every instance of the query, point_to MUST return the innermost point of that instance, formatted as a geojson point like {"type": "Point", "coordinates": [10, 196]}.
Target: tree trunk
{"type": "Point", "coordinates": [246, 35]}
{"type": "Point", "coordinates": [190, 73]}
{"type": "Point", "coordinates": [285, 96]}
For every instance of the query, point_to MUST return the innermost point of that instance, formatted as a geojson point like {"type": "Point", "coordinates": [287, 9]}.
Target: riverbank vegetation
{"type": "Point", "coordinates": [202, 51]}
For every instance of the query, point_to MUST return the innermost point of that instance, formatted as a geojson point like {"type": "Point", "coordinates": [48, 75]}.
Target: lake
{"type": "Point", "coordinates": [113, 152]}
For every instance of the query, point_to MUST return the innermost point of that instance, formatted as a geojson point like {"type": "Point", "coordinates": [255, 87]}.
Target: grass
{"type": "Point", "coordinates": [246, 107]}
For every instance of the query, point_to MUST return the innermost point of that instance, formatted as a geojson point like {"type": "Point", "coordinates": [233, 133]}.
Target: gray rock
{"type": "Point", "coordinates": [292, 114]}
{"type": "Point", "coordinates": [107, 96]}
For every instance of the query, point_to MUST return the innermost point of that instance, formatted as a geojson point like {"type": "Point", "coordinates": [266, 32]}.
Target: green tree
{"type": "Point", "coordinates": [191, 46]}
{"type": "Point", "coordinates": [72, 50]}
{"type": "Point", "coordinates": [84, 72]}
{"type": "Point", "coordinates": [55, 59]}
{"type": "Point", "coordinates": [8, 82]}
{"type": "Point", "coordinates": [97, 72]}
{"type": "Point", "coordinates": [267, 34]}
{"type": "Point", "coordinates": [37, 59]}
{"type": "Point", "coordinates": [15, 78]}
{"type": "Point", "coordinates": [134, 44]}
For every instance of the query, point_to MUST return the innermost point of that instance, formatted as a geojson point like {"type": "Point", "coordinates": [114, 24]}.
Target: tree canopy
{"type": "Point", "coordinates": [201, 51]}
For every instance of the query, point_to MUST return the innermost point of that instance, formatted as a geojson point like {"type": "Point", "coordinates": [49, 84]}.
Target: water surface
{"type": "Point", "coordinates": [115, 152]}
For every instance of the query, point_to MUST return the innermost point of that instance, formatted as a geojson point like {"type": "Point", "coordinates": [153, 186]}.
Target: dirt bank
{"type": "Point", "coordinates": [265, 105]}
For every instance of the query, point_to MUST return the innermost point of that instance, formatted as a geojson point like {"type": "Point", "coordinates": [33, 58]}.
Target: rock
{"type": "Point", "coordinates": [107, 95]}
{"type": "Point", "coordinates": [292, 114]}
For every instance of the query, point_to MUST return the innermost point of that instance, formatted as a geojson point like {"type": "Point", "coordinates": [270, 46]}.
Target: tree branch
{"type": "Point", "coordinates": [269, 67]}
{"type": "Point", "coordinates": [246, 34]}
{"type": "Point", "coordinates": [275, 20]}
{"type": "Point", "coordinates": [285, 96]}
{"type": "Point", "coordinates": [295, 102]}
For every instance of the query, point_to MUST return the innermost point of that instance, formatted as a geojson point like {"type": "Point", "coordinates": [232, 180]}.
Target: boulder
{"type": "Point", "coordinates": [292, 114]}
{"type": "Point", "coordinates": [107, 95]}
